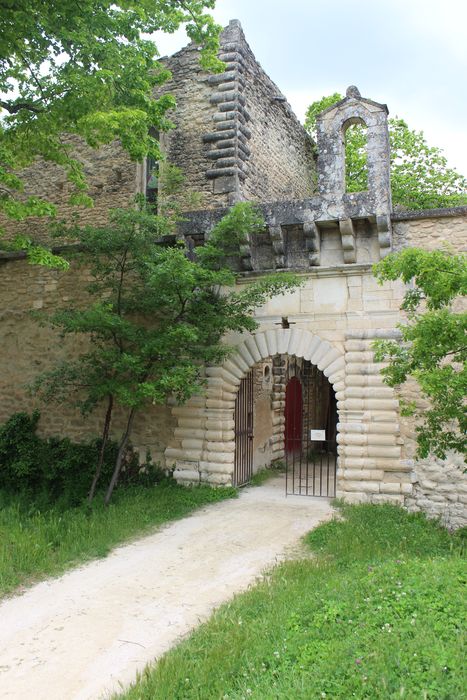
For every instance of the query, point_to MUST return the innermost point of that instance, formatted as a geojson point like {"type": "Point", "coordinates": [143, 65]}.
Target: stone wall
{"type": "Point", "coordinates": [440, 489]}
{"type": "Point", "coordinates": [334, 319]}
{"type": "Point", "coordinates": [193, 117]}
{"type": "Point", "coordinates": [262, 415]}
{"type": "Point", "coordinates": [281, 165]}
{"type": "Point", "coordinates": [431, 229]}
{"type": "Point", "coordinates": [27, 349]}
{"type": "Point", "coordinates": [112, 183]}
{"type": "Point", "coordinates": [235, 137]}
{"type": "Point", "coordinates": [439, 486]}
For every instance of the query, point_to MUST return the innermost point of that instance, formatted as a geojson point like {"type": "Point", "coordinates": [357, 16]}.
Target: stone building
{"type": "Point", "coordinates": [304, 387]}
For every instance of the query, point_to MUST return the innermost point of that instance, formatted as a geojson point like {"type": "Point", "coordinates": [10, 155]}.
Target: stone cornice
{"type": "Point", "coordinates": [429, 214]}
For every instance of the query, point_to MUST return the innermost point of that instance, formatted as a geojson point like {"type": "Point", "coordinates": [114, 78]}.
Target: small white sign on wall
{"type": "Point", "coordinates": [317, 435]}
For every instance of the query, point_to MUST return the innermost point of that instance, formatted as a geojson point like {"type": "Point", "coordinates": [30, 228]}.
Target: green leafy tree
{"type": "Point", "coordinates": [420, 176]}
{"type": "Point", "coordinates": [156, 315]}
{"type": "Point", "coordinates": [86, 69]}
{"type": "Point", "coordinates": [433, 347]}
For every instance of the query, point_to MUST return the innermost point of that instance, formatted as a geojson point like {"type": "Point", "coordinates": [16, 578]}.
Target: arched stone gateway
{"type": "Point", "coordinates": [369, 453]}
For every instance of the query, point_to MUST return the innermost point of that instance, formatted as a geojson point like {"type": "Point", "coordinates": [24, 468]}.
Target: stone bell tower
{"type": "Point", "coordinates": [374, 203]}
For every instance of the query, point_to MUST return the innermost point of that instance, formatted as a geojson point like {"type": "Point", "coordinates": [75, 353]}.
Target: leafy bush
{"type": "Point", "coordinates": [20, 452]}
{"type": "Point", "coordinates": [56, 469]}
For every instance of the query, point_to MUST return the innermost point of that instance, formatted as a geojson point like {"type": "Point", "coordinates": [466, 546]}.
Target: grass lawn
{"type": "Point", "coordinates": [37, 543]}
{"type": "Point", "coordinates": [378, 612]}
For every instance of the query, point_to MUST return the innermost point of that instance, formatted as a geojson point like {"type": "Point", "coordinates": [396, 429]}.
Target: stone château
{"type": "Point", "coordinates": [305, 386]}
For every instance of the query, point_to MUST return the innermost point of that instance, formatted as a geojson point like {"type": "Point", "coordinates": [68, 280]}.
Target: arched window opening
{"type": "Point", "coordinates": [152, 180]}
{"type": "Point", "coordinates": [356, 155]}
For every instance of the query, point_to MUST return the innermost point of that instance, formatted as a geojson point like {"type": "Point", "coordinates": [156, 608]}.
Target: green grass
{"type": "Point", "coordinates": [377, 613]}
{"type": "Point", "coordinates": [36, 543]}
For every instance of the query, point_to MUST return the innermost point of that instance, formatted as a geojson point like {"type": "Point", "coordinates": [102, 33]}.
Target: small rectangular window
{"type": "Point", "coordinates": [152, 180]}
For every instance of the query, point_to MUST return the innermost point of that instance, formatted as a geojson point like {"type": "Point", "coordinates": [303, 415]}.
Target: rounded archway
{"type": "Point", "coordinates": [217, 454]}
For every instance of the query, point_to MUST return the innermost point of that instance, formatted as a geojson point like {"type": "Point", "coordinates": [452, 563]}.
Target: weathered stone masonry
{"type": "Point", "coordinates": [236, 138]}
{"type": "Point", "coordinates": [235, 135]}
{"type": "Point", "coordinates": [332, 239]}
{"type": "Point", "coordinates": [27, 349]}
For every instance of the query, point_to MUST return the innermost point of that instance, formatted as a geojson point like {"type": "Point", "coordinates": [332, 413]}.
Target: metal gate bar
{"type": "Point", "coordinates": [310, 464]}
{"type": "Point", "coordinates": [243, 460]}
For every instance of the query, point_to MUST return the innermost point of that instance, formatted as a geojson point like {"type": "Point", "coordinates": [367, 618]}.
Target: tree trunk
{"type": "Point", "coordinates": [120, 455]}
{"type": "Point", "coordinates": [105, 435]}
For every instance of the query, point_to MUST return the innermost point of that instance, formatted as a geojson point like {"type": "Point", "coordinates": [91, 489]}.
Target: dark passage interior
{"type": "Point", "coordinates": [310, 431]}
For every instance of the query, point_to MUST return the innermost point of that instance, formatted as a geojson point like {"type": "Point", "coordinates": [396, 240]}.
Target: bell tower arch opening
{"type": "Point", "coordinates": [355, 138]}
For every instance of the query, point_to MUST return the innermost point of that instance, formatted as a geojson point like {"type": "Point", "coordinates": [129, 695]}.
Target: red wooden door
{"type": "Point", "coordinates": [293, 416]}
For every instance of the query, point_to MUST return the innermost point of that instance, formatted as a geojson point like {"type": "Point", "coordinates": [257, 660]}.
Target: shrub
{"type": "Point", "coordinates": [56, 469]}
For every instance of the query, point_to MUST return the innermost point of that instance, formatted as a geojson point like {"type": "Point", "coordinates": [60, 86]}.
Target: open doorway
{"type": "Point", "coordinates": [310, 431]}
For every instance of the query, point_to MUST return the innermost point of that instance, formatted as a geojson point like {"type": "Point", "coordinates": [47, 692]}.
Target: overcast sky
{"type": "Point", "coordinates": [409, 54]}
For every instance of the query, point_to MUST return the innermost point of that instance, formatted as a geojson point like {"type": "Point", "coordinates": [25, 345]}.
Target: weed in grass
{"type": "Point", "coordinates": [377, 614]}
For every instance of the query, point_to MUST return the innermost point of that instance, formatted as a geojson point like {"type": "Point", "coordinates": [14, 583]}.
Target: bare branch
{"type": "Point", "coordinates": [14, 108]}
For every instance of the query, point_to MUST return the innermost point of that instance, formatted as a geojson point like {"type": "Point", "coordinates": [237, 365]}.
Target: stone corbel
{"type": "Point", "coordinates": [383, 226]}
{"type": "Point", "coordinates": [312, 242]}
{"type": "Point", "coordinates": [348, 240]}
{"type": "Point", "coordinates": [277, 240]}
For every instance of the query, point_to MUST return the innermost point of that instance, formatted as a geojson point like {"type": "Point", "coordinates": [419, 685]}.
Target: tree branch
{"type": "Point", "coordinates": [18, 106]}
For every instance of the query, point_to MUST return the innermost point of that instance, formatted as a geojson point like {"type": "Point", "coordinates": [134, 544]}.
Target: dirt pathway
{"type": "Point", "coordinates": [84, 634]}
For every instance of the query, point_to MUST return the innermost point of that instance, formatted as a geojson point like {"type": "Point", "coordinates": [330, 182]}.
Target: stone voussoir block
{"type": "Point", "coordinates": [252, 347]}
{"type": "Point", "coordinates": [334, 366]}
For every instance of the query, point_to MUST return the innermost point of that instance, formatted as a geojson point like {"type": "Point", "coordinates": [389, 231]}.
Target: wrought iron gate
{"type": "Point", "coordinates": [310, 431]}
{"type": "Point", "coordinates": [243, 461]}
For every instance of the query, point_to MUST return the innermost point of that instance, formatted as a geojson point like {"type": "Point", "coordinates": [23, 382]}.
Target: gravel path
{"type": "Point", "coordinates": [86, 633]}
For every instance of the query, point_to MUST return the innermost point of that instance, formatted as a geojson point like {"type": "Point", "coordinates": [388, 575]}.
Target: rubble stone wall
{"type": "Point", "coordinates": [112, 183]}
{"type": "Point", "coordinates": [236, 137]}
{"type": "Point", "coordinates": [28, 349]}
{"type": "Point", "coordinates": [431, 230]}
{"type": "Point", "coordinates": [193, 118]}
{"type": "Point", "coordinates": [439, 487]}
{"type": "Point", "coordinates": [282, 164]}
